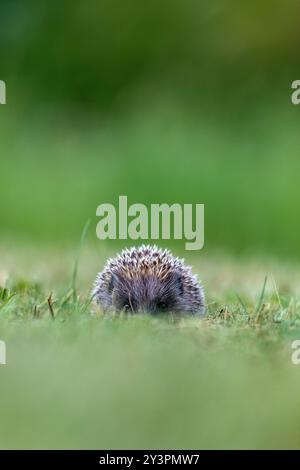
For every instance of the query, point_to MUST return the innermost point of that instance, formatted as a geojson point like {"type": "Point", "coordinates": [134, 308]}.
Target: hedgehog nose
{"type": "Point", "coordinates": [143, 310]}
{"type": "Point", "coordinates": [147, 308]}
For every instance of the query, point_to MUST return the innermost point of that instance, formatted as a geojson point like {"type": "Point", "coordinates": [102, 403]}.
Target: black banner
{"type": "Point", "coordinates": [139, 458]}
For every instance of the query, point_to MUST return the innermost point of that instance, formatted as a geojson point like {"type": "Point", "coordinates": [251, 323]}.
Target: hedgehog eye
{"type": "Point", "coordinates": [126, 307]}
{"type": "Point", "coordinates": [162, 305]}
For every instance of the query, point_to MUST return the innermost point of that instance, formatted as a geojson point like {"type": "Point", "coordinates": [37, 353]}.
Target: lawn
{"type": "Point", "coordinates": [76, 378]}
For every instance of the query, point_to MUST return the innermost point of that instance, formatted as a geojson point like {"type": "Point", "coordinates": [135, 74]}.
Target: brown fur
{"type": "Point", "coordinates": [148, 279]}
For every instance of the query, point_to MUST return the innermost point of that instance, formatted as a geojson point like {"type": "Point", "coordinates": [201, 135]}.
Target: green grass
{"type": "Point", "coordinates": [81, 379]}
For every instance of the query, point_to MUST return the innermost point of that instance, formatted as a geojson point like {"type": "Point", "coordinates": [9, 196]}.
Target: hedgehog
{"type": "Point", "coordinates": [147, 279]}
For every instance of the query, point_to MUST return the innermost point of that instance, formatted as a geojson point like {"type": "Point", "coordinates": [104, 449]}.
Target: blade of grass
{"type": "Point", "coordinates": [50, 306]}
{"type": "Point", "coordinates": [87, 303]}
{"type": "Point", "coordinates": [8, 299]}
{"type": "Point", "coordinates": [261, 299]}
{"type": "Point", "coordinates": [276, 291]}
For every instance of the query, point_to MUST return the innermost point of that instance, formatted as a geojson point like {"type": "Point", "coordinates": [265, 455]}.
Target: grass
{"type": "Point", "coordinates": [76, 378]}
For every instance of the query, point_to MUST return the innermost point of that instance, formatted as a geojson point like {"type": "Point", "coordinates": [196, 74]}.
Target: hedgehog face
{"type": "Point", "coordinates": [146, 294]}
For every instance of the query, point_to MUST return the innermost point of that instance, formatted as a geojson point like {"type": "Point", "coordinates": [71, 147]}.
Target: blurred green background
{"type": "Point", "coordinates": [165, 102]}
{"type": "Point", "coordinates": [162, 101]}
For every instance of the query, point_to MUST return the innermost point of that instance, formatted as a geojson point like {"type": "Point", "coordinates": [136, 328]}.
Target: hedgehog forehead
{"type": "Point", "coordinates": [146, 260]}
{"type": "Point", "coordinates": [142, 268]}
